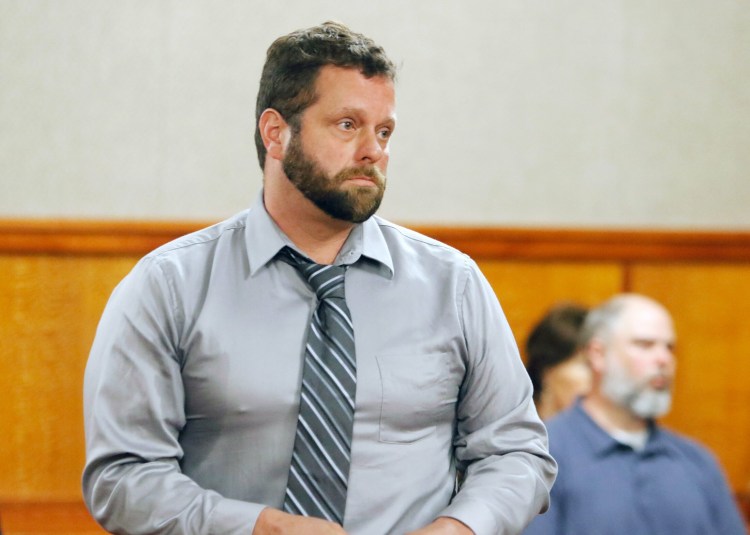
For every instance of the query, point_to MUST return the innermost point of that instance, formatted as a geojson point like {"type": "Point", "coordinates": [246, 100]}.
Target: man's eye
{"type": "Point", "coordinates": [385, 133]}
{"type": "Point", "coordinates": [346, 125]}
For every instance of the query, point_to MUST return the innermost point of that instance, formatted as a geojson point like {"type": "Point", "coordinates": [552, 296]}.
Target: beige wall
{"type": "Point", "coordinates": [576, 113]}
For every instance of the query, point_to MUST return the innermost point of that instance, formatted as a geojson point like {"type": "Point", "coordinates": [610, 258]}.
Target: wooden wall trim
{"type": "Point", "coordinates": [595, 244]}
{"type": "Point", "coordinates": [68, 237]}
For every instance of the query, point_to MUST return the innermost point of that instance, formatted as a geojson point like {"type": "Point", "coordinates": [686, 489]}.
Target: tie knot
{"type": "Point", "coordinates": [325, 280]}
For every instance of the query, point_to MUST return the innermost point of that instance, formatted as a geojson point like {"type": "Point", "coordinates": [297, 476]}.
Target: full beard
{"type": "Point", "coordinates": [354, 204]}
{"type": "Point", "coordinates": [637, 396]}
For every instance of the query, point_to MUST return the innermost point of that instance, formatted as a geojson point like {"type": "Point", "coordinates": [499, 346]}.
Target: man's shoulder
{"type": "Point", "coordinates": [403, 238]}
{"type": "Point", "coordinates": [687, 446]}
{"type": "Point", "coordinates": [565, 423]}
{"type": "Point", "coordinates": [196, 242]}
{"type": "Point", "coordinates": [570, 432]}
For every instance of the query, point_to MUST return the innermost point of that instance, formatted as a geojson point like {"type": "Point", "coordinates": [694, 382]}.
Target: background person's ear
{"type": "Point", "coordinates": [596, 354]}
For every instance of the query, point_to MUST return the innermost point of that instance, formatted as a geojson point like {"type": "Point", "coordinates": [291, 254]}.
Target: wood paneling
{"type": "Point", "coordinates": [51, 306]}
{"type": "Point", "coordinates": [55, 278]}
{"type": "Point", "coordinates": [47, 519]}
{"type": "Point", "coordinates": [710, 305]}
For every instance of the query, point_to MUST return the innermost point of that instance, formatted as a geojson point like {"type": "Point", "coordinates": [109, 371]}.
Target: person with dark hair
{"type": "Point", "coordinates": [559, 373]}
{"type": "Point", "coordinates": [307, 367]}
{"type": "Point", "coordinates": [620, 472]}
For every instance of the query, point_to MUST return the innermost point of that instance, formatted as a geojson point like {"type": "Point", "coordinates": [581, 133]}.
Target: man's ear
{"type": "Point", "coordinates": [596, 353]}
{"type": "Point", "coordinates": [274, 131]}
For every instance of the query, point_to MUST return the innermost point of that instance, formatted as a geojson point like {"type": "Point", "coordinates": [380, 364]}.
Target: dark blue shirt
{"type": "Point", "coordinates": [673, 486]}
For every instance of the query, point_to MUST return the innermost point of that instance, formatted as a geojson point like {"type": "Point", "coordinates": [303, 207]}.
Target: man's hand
{"type": "Point", "coordinates": [275, 522]}
{"type": "Point", "coordinates": [444, 526]}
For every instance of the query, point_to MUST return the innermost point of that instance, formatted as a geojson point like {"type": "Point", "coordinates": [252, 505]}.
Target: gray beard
{"type": "Point", "coordinates": [641, 400]}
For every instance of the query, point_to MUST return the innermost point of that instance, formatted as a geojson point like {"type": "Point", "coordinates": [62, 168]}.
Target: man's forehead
{"type": "Point", "coordinates": [335, 83]}
{"type": "Point", "coordinates": [646, 321]}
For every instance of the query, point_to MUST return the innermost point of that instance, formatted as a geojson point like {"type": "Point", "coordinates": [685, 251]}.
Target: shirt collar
{"type": "Point", "coordinates": [367, 244]}
{"type": "Point", "coordinates": [602, 443]}
{"type": "Point", "coordinates": [264, 239]}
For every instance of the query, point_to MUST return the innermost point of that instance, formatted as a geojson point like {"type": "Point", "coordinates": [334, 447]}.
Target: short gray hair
{"type": "Point", "coordinates": [600, 322]}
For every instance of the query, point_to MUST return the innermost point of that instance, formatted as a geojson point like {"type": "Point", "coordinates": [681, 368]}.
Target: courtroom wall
{"type": "Point", "coordinates": [626, 113]}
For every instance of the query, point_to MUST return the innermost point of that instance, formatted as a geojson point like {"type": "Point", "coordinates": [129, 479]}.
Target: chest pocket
{"type": "Point", "coordinates": [418, 393]}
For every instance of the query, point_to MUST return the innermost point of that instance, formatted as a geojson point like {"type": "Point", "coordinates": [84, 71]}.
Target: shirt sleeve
{"type": "Point", "coordinates": [549, 523]}
{"type": "Point", "coordinates": [133, 414]}
{"type": "Point", "coordinates": [501, 444]}
{"type": "Point", "coordinates": [726, 514]}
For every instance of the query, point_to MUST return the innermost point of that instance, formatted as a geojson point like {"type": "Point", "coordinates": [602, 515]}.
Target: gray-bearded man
{"type": "Point", "coordinates": [620, 473]}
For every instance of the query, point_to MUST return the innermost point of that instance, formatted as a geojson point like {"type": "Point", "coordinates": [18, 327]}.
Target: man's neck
{"type": "Point", "coordinates": [610, 416]}
{"type": "Point", "coordinates": [314, 232]}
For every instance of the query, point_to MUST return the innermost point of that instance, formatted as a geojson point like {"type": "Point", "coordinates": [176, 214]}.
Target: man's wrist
{"type": "Point", "coordinates": [445, 525]}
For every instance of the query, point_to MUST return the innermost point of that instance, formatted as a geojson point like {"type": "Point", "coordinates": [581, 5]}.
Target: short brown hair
{"type": "Point", "coordinates": [293, 62]}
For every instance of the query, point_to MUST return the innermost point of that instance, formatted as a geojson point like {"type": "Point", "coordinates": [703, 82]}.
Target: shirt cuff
{"type": "Point", "coordinates": [475, 515]}
{"type": "Point", "coordinates": [234, 517]}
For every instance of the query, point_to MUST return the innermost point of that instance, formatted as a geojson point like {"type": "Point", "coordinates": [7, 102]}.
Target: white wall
{"type": "Point", "coordinates": [627, 113]}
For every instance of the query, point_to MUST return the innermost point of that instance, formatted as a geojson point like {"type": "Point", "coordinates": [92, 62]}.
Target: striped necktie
{"type": "Point", "coordinates": [320, 461]}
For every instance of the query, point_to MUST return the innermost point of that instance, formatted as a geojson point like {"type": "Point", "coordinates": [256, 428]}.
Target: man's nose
{"type": "Point", "coordinates": [371, 148]}
{"type": "Point", "coordinates": [664, 355]}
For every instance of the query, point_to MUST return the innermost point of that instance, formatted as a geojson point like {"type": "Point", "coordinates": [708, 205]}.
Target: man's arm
{"type": "Point", "coordinates": [275, 522]}
{"type": "Point", "coordinates": [500, 439]}
{"type": "Point", "coordinates": [444, 526]}
{"type": "Point", "coordinates": [727, 516]}
{"type": "Point", "coordinates": [134, 412]}
{"type": "Point", "coordinates": [550, 523]}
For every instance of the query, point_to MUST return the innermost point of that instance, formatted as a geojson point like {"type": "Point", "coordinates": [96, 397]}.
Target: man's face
{"type": "Point", "coordinates": [640, 362]}
{"type": "Point", "coordinates": [339, 156]}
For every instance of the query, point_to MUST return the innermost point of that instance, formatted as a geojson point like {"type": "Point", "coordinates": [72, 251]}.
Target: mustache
{"type": "Point", "coordinates": [645, 384]}
{"type": "Point", "coordinates": [369, 171]}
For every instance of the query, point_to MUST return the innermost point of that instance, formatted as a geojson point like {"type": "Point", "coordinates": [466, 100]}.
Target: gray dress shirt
{"type": "Point", "coordinates": [191, 389]}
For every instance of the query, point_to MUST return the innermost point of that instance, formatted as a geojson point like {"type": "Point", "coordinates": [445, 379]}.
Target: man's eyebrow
{"type": "Point", "coordinates": [653, 340]}
{"type": "Point", "coordinates": [347, 110]}
{"type": "Point", "coordinates": [350, 110]}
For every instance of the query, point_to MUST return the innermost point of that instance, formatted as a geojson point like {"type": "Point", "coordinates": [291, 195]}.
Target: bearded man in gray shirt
{"type": "Point", "coordinates": [197, 394]}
